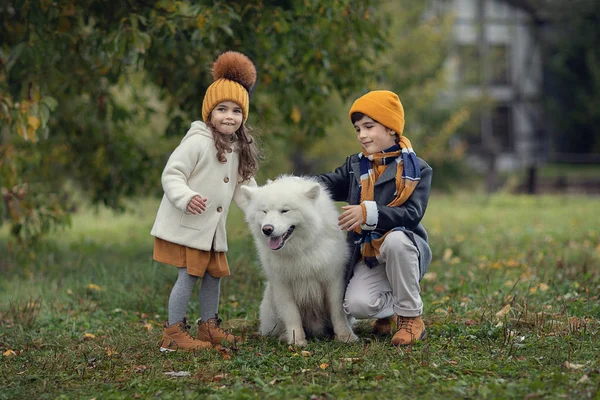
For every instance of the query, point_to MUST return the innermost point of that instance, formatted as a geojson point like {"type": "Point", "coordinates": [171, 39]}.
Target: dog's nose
{"type": "Point", "coordinates": [268, 230]}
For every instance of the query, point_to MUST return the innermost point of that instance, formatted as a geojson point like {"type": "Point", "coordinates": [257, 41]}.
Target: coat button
{"type": "Point", "coordinates": [219, 209]}
{"type": "Point", "coordinates": [226, 179]}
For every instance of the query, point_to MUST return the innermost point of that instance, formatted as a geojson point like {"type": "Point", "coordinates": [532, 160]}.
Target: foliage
{"type": "Point", "coordinates": [63, 65]}
{"type": "Point", "coordinates": [574, 74]}
{"type": "Point", "coordinates": [511, 307]}
{"type": "Point", "coordinates": [418, 74]}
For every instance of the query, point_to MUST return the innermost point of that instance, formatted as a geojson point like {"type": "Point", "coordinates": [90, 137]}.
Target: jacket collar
{"type": "Point", "coordinates": [388, 174]}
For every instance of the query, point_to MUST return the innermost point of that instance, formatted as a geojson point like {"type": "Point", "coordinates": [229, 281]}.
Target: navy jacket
{"type": "Point", "coordinates": [344, 185]}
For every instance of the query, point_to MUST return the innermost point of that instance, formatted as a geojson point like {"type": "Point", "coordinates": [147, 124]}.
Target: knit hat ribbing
{"type": "Point", "coordinates": [234, 76]}
{"type": "Point", "coordinates": [383, 106]}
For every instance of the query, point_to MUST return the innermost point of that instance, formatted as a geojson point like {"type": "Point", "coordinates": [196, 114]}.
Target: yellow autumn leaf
{"type": "Point", "coordinates": [33, 122]}
{"type": "Point", "coordinates": [504, 311]}
{"type": "Point", "coordinates": [88, 336]}
{"type": "Point", "coordinates": [200, 21]}
{"type": "Point", "coordinates": [447, 255]}
{"type": "Point", "coordinates": [110, 352]}
{"type": "Point", "coordinates": [441, 300]}
{"type": "Point", "coordinates": [295, 115]}
{"type": "Point", "coordinates": [532, 290]}
{"type": "Point", "coordinates": [148, 326]}
{"type": "Point", "coordinates": [93, 286]}
{"type": "Point", "coordinates": [324, 365]}
{"type": "Point", "coordinates": [429, 276]}
{"type": "Point", "coordinates": [306, 353]}
{"type": "Point", "coordinates": [9, 353]}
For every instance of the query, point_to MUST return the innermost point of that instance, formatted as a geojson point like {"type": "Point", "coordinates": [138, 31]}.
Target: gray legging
{"type": "Point", "coordinates": [182, 292]}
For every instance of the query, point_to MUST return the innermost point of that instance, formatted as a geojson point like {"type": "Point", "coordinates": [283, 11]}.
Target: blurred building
{"type": "Point", "coordinates": [497, 61]}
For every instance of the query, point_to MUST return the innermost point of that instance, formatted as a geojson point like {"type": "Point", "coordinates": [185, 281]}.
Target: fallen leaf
{"type": "Point", "coordinates": [224, 353]}
{"type": "Point", "coordinates": [177, 374]}
{"type": "Point", "coordinates": [148, 326]}
{"type": "Point", "coordinates": [430, 276]}
{"type": "Point", "coordinates": [323, 365]}
{"type": "Point", "coordinates": [306, 353]}
{"type": "Point", "coordinates": [584, 379]}
{"type": "Point", "coordinates": [110, 352]}
{"type": "Point", "coordinates": [504, 311]}
{"type": "Point", "coordinates": [543, 287]}
{"type": "Point", "coordinates": [88, 336]}
{"type": "Point", "coordinates": [93, 287]}
{"type": "Point", "coordinates": [9, 353]}
{"type": "Point", "coordinates": [219, 377]}
{"type": "Point", "coordinates": [573, 366]}
{"type": "Point", "coordinates": [447, 255]}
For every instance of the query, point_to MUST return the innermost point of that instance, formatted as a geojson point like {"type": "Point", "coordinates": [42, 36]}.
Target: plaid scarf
{"type": "Point", "coordinates": [408, 175]}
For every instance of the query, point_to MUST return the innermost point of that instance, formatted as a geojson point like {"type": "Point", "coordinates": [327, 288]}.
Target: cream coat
{"type": "Point", "coordinates": [193, 169]}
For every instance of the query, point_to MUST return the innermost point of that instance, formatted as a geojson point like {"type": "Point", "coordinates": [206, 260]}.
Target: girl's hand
{"type": "Point", "coordinates": [351, 218]}
{"type": "Point", "coordinates": [196, 205]}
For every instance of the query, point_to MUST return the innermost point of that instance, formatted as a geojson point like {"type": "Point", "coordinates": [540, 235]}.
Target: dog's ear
{"type": "Point", "coordinates": [247, 192]}
{"type": "Point", "coordinates": [313, 192]}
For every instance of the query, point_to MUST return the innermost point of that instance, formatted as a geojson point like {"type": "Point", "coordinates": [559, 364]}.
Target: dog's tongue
{"type": "Point", "coordinates": [275, 242]}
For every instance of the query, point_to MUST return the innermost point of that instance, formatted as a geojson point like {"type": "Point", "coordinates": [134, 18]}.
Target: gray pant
{"type": "Point", "coordinates": [391, 287]}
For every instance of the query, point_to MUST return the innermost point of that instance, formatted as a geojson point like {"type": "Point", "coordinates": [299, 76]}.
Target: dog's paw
{"type": "Point", "coordinates": [347, 337]}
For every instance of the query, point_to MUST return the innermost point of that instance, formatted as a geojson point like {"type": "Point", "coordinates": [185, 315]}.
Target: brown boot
{"type": "Point", "coordinates": [211, 331]}
{"type": "Point", "coordinates": [410, 330]}
{"type": "Point", "coordinates": [176, 337]}
{"type": "Point", "coordinates": [383, 326]}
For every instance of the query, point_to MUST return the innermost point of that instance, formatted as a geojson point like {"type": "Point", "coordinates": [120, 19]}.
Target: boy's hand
{"type": "Point", "coordinates": [196, 205]}
{"type": "Point", "coordinates": [351, 218]}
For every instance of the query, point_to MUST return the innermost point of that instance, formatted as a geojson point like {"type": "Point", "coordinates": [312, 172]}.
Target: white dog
{"type": "Point", "coordinates": [304, 254]}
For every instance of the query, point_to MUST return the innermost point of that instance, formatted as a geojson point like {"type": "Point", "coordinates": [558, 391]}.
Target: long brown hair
{"type": "Point", "coordinates": [244, 144]}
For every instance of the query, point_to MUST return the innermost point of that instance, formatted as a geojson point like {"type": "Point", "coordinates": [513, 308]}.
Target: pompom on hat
{"type": "Point", "coordinates": [384, 107]}
{"type": "Point", "coordinates": [234, 77]}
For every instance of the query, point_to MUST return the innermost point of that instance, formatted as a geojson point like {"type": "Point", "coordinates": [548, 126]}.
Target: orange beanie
{"type": "Point", "coordinates": [234, 76]}
{"type": "Point", "coordinates": [384, 107]}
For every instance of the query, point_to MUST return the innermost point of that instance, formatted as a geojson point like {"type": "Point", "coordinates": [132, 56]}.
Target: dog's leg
{"type": "Point", "coordinates": [341, 327]}
{"type": "Point", "coordinates": [288, 312]}
{"type": "Point", "coordinates": [269, 323]}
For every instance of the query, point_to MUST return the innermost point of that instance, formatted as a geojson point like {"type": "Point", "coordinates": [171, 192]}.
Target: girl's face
{"type": "Point", "coordinates": [373, 136]}
{"type": "Point", "coordinates": [227, 117]}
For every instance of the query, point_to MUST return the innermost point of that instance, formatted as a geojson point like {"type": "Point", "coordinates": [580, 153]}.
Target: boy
{"type": "Point", "coordinates": [387, 189]}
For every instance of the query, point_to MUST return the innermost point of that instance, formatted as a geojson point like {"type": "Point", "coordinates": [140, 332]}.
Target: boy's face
{"type": "Point", "coordinates": [227, 117]}
{"type": "Point", "coordinates": [373, 136]}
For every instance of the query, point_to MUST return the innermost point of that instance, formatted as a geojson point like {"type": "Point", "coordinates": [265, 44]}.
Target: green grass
{"type": "Point", "coordinates": [511, 306]}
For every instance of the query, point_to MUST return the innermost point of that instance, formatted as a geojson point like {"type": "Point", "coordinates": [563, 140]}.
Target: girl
{"type": "Point", "coordinates": [204, 173]}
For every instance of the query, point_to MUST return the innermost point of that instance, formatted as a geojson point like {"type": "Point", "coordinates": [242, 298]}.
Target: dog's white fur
{"type": "Point", "coordinates": [305, 277]}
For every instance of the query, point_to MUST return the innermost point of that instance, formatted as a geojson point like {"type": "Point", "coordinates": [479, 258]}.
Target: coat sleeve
{"type": "Point", "coordinates": [409, 214]}
{"type": "Point", "coordinates": [338, 182]}
{"type": "Point", "coordinates": [238, 198]}
{"type": "Point", "coordinates": [179, 167]}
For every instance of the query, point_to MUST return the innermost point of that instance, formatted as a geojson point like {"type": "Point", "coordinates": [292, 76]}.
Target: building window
{"type": "Point", "coordinates": [469, 68]}
{"type": "Point", "coordinates": [502, 127]}
{"type": "Point", "coordinates": [469, 64]}
{"type": "Point", "coordinates": [499, 65]}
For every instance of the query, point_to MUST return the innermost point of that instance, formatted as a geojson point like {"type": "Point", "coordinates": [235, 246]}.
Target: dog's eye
{"type": "Point", "coordinates": [264, 211]}
{"type": "Point", "coordinates": [284, 211]}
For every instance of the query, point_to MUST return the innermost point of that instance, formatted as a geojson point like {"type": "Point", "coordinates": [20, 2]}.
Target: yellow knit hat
{"type": "Point", "coordinates": [234, 76]}
{"type": "Point", "coordinates": [384, 107]}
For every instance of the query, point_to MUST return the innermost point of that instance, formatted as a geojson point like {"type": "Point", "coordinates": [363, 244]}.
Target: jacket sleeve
{"type": "Point", "coordinates": [409, 214]}
{"type": "Point", "coordinates": [338, 181]}
{"type": "Point", "coordinates": [238, 198]}
{"type": "Point", "coordinates": [175, 176]}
